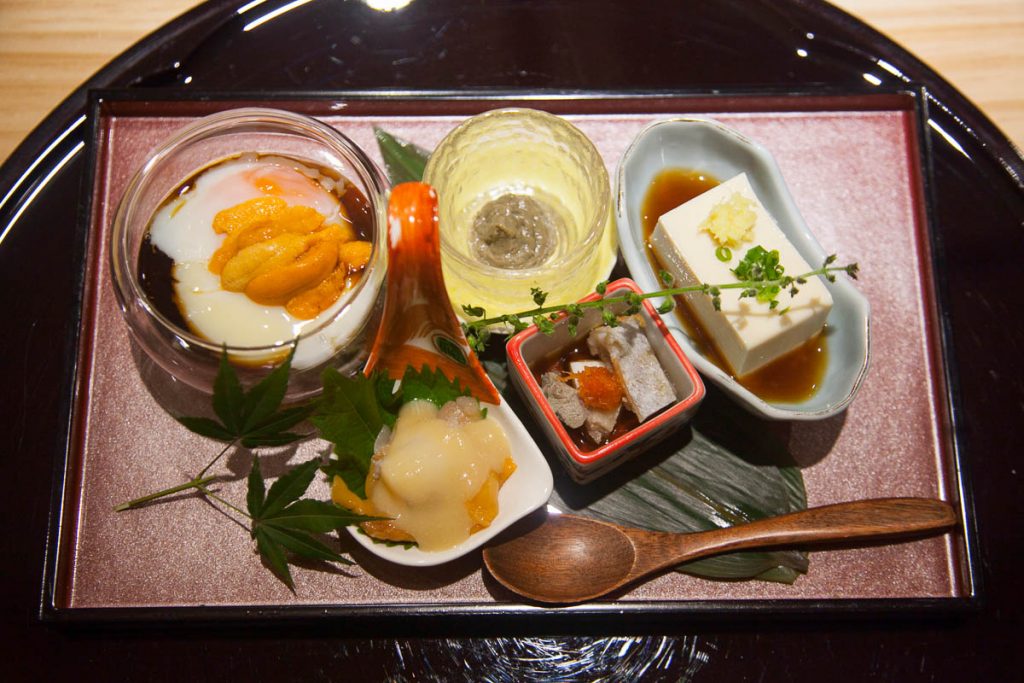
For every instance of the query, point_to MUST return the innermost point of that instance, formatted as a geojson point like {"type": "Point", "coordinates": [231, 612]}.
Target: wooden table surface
{"type": "Point", "coordinates": [47, 48]}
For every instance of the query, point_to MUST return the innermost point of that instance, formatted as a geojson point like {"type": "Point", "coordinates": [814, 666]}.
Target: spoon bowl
{"type": "Point", "coordinates": [570, 559]}
{"type": "Point", "coordinates": [419, 329]}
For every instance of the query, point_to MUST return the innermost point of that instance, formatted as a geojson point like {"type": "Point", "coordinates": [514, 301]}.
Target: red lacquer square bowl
{"type": "Point", "coordinates": [530, 347]}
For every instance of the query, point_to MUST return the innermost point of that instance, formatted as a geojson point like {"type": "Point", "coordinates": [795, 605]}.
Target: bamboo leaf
{"type": "Point", "coordinates": [403, 160]}
{"type": "Point", "coordinates": [727, 470]}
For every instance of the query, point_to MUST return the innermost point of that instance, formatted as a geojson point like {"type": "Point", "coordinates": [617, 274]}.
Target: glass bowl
{"type": "Point", "coordinates": [337, 337]}
{"type": "Point", "coordinates": [530, 163]}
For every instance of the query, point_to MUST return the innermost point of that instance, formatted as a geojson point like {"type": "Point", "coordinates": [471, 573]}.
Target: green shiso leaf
{"type": "Point", "coordinates": [430, 385]}
{"type": "Point", "coordinates": [353, 410]}
{"type": "Point", "coordinates": [725, 469]}
{"type": "Point", "coordinates": [403, 160]}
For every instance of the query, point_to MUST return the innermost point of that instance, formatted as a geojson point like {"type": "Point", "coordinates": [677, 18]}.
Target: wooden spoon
{"type": "Point", "coordinates": [573, 559]}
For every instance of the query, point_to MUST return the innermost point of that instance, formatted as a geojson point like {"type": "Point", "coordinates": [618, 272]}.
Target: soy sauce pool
{"type": "Point", "coordinates": [792, 378]}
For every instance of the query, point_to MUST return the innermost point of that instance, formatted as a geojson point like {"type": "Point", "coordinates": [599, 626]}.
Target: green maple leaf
{"type": "Point", "coordinates": [350, 415]}
{"type": "Point", "coordinates": [283, 521]}
{"type": "Point", "coordinates": [253, 417]}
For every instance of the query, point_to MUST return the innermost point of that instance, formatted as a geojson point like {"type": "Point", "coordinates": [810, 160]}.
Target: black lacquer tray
{"type": "Point", "coordinates": [592, 47]}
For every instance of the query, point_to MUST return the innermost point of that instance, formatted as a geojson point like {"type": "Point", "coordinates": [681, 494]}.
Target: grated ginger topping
{"type": "Point", "coordinates": [731, 221]}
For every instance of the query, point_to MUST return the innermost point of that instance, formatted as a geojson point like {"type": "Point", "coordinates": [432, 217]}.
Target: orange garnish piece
{"type": "Point", "coordinates": [599, 388]}
{"type": "Point", "coordinates": [245, 214]}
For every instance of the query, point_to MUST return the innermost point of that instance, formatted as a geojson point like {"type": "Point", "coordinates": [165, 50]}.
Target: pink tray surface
{"type": "Point", "coordinates": [853, 168]}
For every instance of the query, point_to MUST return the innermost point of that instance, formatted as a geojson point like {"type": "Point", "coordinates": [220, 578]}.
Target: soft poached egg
{"type": "Point", "coordinates": [183, 229]}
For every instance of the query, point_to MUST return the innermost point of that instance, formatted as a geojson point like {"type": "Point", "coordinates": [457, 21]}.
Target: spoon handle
{"type": "Point", "coordinates": [875, 519]}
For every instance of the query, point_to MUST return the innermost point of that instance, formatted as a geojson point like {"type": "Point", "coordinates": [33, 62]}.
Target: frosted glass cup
{"type": "Point", "coordinates": [339, 338]}
{"type": "Point", "coordinates": [529, 153]}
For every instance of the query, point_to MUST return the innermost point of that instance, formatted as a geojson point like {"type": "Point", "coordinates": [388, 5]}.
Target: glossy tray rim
{"type": "Point", "coordinates": [460, 615]}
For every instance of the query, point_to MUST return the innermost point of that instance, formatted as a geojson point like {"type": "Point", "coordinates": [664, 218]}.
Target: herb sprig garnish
{"type": "Point", "coordinates": [759, 275]}
{"type": "Point", "coordinates": [280, 519]}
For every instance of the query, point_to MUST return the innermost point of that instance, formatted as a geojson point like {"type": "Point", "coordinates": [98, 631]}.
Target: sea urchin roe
{"type": "Point", "coordinates": [438, 478]}
{"type": "Point", "coordinates": [282, 255]}
{"type": "Point", "coordinates": [599, 388]}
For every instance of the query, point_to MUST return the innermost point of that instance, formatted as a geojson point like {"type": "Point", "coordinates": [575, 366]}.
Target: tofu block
{"type": "Point", "coordinates": [747, 333]}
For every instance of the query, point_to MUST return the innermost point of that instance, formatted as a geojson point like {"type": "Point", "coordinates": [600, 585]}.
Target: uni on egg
{"type": "Point", "coordinates": [260, 248]}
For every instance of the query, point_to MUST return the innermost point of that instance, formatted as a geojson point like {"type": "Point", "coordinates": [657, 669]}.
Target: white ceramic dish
{"type": "Point", "coordinates": [710, 147]}
{"type": "Point", "coordinates": [526, 490]}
